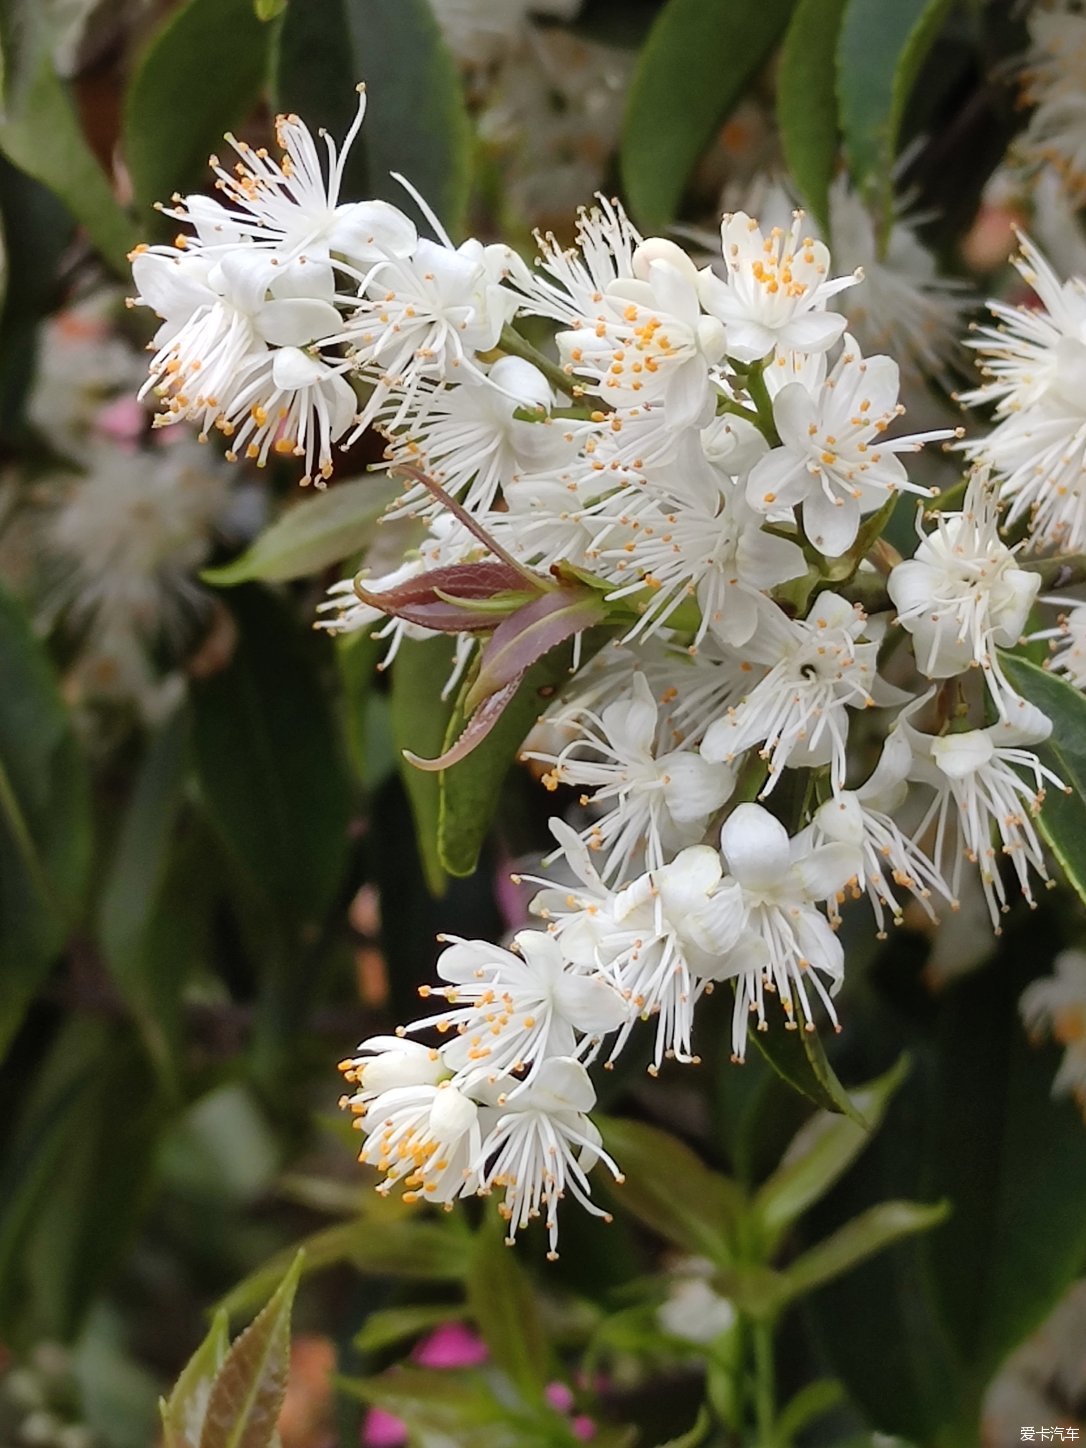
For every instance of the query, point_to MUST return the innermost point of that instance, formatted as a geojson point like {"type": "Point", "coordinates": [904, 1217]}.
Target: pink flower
{"type": "Point", "coordinates": [452, 1345]}
{"type": "Point", "coordinates": [382, 1430]}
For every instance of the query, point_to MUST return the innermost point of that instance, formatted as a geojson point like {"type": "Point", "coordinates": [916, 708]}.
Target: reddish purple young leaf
{"type": "Point", "coordinates": [430, 599]}
{"type": "Point", "coordinates": [475, 731]}
{"type": "Point", "coordinates": [535, 629]}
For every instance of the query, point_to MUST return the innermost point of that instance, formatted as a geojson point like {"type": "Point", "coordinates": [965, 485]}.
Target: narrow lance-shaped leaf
{"type": "Point", "coordinates": [693, 68]}
{"type": "Point", "coordinates": [248, 1390]}
{"type": "Point", "coordinates": [320, 529]}
{"type": "Point", "coordinates": [800, 1058]}
{"type": "Point", "coordinates": [671, 1190]}
{"type": "Point", "coordinates": [502, 1302]}
{"type": "Point", "coordinates": [807, 100]}
{"type": "Point", "coordinates": [859, 1239]}
{"type": "Point", "coordinates": [821, 1153]}
{"type": "Point", "coordinates": [183, 1413]}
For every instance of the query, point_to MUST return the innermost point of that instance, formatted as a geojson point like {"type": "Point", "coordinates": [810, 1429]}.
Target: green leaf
{"type": "Point", "coordinates": [810, 1402]}
{"type": "Point", "coordinates": [386, 1239]}
{"type": "Point", "coordinates": [859, 1239]}
{"type": "Point", "coordinates": [42, 137]}
{"type": "Point", "coordinates": [440, 1407]}
{"type": "Point", "coordinates": [249, 1388]}
{"type": "Point", "coordinates": [501, 1300]}
{"type": "Point", "coordinates": [36, 232]}
{"type": "Point", "coordinates": [1063, 816]}
{"type": "Point", "coordinates": [694, 66]}
{"type": "Point", "coordinates": [389, 1325]}
{"type": "Point", "coordinates": [45, 835]}
{"type": "Point", "coordinates": [670, 1189]}
{"type": "Point", "coordinates": [807, 100]}
{"type": "Point", "coordinates": [184, 1412]}
{"type": "Point", "coordinates": [75, 1180]}
{"type": "Point", "coordinates": [822, 1152]}
{"type": "Point", "coordinates": [269, 9]}
{"type": "Point", "coordinates": [322, 528]}
{"type": "Point", "coordinates": [200, 73]}
{"type": "Point", "coordinates": [800, 1058]}
{"type": "Point", "coordinates": [881, 48]}
{"type": "Point", "coordinates": [148, 962]}
{"type": "Point", "coordinates": [469, 791]}
{"type": "Point", "coordinates": [268, 761]}
{"type": "Point", "coordinates": [416, 120]}
{"type": "Point", "coordinates": [420, 722]}
{"type": "Point", "coordinates": [695, 1436]}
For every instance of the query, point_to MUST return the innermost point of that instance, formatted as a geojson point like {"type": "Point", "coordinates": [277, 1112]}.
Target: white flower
{"type": "Point", "coordinates": [468, 439]}
{"type": "Point", "coordinates": [661, 799]}
{"type": "Point", "coordinates": [513, 1011]}
{"type": "Point", "coordinates": [423, 317]}
{"type": "Point", "coordinates": [1067, 641]}
{"type": "Point", "coordinates": [540, 1146]}
{"type": "Point", "coordinates": [389, 1062]}
{"type": "Point", "coordinates": [478, 32]}
{"type": "Point", "coordinates": [125, 540]}
{"type": "Point", "coordinates": [1034, 365]}
{"type": "Point", "coordinates": [903, 307]}
{"type": "Point", "coordinates": [702, 540]}
{"type": "Point", "coordinates": [862, 818]}
{"type": "Point", "coordinates": [692, 1310]}
{"type": "Point", "coordinates": [961, 594]}
{"type": "Point", "coordinates": [1056, 1006]}
{"type": "Point", "coordinates": [292, 206]}
{"type": "Point", "coordinates": [980, 793]}
{"type": "Point", "coordinates": [219, 318]}
{"type": "Point", "coordinates": [1056, 133]}
{"type": "Point", "coordinates": [799, 710]}
{"type": "Point", "coordinates": [783, 942]}
{"type": "Point", "coordinates": [775, 290]}
{"type": "Point", "coordinates": [422, 1136]}
{"type": "Point", "coordinates": [835, 458]}
{"type": "Point", "coordinates": [648, 936]}
{"type": "Point", "coordinates": [292, 403]}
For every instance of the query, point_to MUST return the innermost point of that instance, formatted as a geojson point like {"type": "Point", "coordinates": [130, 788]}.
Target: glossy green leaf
{"type": "Point", "coordinates": [859, 1239]}
{"type": "Point", "coordinates": [321, 528]}
{"type": "Point", "coordinates": [1063, 816]}
{"type": "Point", "coordinates": [807, 100]}
{"type": "Point", "coordinates": [139, 952]}
{"type": "Point", "coordinates": [268, 761]}
{"type": "Point", "coordinates": [183, 1413]}
{"type": "Point", "coordinates": [501, 1300]}
{"type": "Point", "coordinates": [420, 722]}
{"type": "Point", "coordinates": [693, 68]}
{"type": "Point", "coordinates": [200, 73]}
{"type": "Point", "coordinates": [76, 1181]}
{"type": "Point", "coordinates": [670, 1189]}
{"type": "Point", "coordinates": [249, 1387]}
{"type": "Point", "coordinates": [416, 121]}
{"type": "Point", "coordinates": [882, 45]}
{"type": "Point", "coordinates": [36, 232]}
{"type": "Point", "coordinates": [45, 838]}
{"type": "Point", "coordinates": [822, 1152]}
{"type": "Point", "coordinates": [390, 1325]}
{"type": "Point", "coordinates": [469, 791]}
{"type": "Point", "coordinates": [42, 137]}
{"type": "Point", "coordinates": [800, 1058]}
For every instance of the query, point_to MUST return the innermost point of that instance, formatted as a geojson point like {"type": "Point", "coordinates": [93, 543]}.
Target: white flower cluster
{"type": "Point", "coordinates": [702, 479]}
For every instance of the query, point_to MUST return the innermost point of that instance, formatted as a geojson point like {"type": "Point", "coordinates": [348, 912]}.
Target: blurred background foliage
{"type": "Point", "coordinates": [216, 876]}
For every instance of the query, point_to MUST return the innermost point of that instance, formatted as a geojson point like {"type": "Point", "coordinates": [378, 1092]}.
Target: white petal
{"type": "Point", "coordinates": [296, 322]}
{"type": "Point", "coordinates": [755, 846]}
